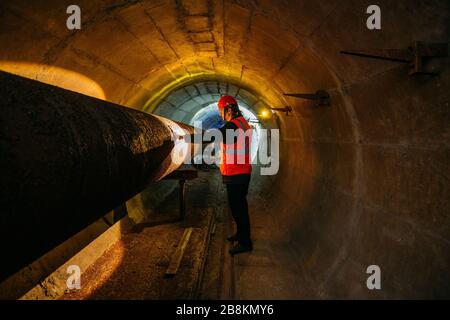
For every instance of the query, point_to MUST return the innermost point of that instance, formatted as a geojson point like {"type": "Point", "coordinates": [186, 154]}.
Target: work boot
{"type": "Point", "coordinates": [233, 238]}
{"type": "Point", "coordinates": [240, 248]}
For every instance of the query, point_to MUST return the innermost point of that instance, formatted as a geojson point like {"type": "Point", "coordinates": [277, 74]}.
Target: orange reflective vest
{"type": "Point", "coordinates": [236, 157]}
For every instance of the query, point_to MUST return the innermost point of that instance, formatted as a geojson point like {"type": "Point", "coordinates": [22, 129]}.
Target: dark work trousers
{"type": "Point", "coordinates": [237, 199]}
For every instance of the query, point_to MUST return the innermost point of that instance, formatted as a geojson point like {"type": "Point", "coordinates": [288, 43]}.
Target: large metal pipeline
{"type": "Point", "coordinates": [67, 159]}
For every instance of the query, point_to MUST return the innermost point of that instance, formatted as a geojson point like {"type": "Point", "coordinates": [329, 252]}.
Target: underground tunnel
{"type": "Point", "coordinates": [87, 122]}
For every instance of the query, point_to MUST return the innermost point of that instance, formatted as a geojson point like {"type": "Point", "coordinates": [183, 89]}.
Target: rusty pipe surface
{"type": "Point", "coordinates": [68, 159]}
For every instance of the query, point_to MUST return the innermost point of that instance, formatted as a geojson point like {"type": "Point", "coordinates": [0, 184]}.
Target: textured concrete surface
{"type": "Point", "coordinates": [20, 283]}
{"type": "Point", "coordinates": [134, 267]}
{"type": "Point", "coordinates": [55, 284]}
{"type": "Point", "coordinates": [362, 182]}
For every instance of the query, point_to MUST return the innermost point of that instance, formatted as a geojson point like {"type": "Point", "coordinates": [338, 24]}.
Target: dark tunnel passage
{"type": "Point", "coordinates": [363, 181]}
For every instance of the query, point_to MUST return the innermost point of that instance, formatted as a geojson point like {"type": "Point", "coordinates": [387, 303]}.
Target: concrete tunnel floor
{"type": "Point", "coordinates": [363, 181]}
{"type": "Point", "coordinates": [134, 267]}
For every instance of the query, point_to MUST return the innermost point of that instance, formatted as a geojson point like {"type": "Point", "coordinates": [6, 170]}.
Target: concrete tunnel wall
{"type": "Point", "coordinates": [362, 182]}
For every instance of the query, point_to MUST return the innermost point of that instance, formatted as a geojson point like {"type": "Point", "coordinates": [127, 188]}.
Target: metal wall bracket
{"type": "Point", "coordinates": [321, 97]}
{"type": "Point", "coordinates": [415, 55]}
{"type": "Point", "coordinates": [286, 110]}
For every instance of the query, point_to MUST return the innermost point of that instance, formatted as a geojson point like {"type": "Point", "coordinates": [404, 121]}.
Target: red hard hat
{"type": "Point", "coordinates": [226, 101]}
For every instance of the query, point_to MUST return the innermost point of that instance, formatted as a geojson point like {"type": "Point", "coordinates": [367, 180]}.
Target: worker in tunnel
{"type": "Point", "coordinates": [235, 167]}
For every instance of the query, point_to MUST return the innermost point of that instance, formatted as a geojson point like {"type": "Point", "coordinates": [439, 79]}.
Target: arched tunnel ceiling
{"type": "Point", "coordinates": [183, 103]}
{"type": "Point", "coordinates": [135, 49]}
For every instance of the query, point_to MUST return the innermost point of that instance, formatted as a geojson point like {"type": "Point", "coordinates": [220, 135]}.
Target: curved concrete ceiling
{"type": "Point", "coordinates": [353, 186]}
{"type": "Point", "coordinates": [183, 103]}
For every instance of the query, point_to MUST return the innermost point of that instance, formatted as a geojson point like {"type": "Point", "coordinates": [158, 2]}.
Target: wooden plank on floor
{"type": "Point", "coordinates": [195, 294]}
{"type": "Point", "coordinates": [178, 255]}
